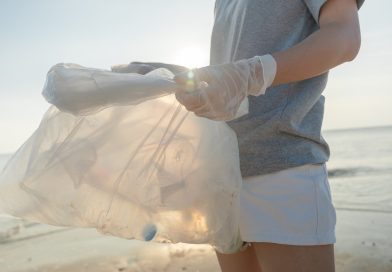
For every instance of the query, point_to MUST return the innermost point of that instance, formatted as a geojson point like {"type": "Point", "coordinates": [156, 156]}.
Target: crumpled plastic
{"type": "Point", "coordinates": [124, 157]}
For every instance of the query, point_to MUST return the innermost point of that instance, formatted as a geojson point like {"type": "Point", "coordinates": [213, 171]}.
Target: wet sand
{"type": "Point", "coordinates": [364, 244]}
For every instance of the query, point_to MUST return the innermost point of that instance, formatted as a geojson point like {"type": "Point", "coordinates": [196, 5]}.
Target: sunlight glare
{"type": "Point", "coordinates": [192, 57]}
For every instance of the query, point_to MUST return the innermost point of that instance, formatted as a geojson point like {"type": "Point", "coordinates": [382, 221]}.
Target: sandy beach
{"type": "Point", "coordinates": [105, 142]}
{"type": "Point", "coordinates": [364, 244]}
{"type": "Point", "coordinates": [360, 179]}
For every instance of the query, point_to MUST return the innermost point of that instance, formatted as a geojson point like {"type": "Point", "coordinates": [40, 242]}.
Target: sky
{"type": "Point", "coordinates": [34, 35]}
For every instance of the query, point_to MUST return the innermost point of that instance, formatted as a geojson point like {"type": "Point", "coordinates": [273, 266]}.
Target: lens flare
{"type": "Point", "coordinates": [190, 84]}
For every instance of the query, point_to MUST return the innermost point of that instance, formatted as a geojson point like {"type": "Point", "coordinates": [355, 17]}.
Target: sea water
{"type": "Point", "coordinates": [359, 169]}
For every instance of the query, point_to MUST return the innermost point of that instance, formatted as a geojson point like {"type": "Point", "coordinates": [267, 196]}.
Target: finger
{"type": "Point", "coordinates": [183, 78]}
{"type": "Point", "coordinates": [206, 111]}
{"type": "Point", "coordinates": [186, 81]}
{"type": "Point", "coordinates": [209, 112]}
{"type": "Point", "coordinates": [119, 68]}
{"type": "Point", "coordinates": [202, 110]}
{"type": "Point", "coordinates": [138, 68]}
{"type": "Point", "coordinates": [193, 77]}
{"type": "Point", "coordinates": [141, 68]}
{"type": "Point", "coordinates": [191, 100]}
{"type": "Point", "coordinates": [205, 106]}
{"type": "Point", "coordinates": [197, 108]}
{"type": "Point", "coordinates": [203, 74]}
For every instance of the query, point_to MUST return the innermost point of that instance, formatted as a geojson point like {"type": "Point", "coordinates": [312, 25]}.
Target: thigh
{"type": "Point", "coordinates": [283, 258]}
{"type": "Point", "coordinates": [241, 261]}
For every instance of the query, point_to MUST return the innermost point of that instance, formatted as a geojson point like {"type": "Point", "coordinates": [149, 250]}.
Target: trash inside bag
{"type": "Point", "coordinates": [140, 167]}
{"type": "Point", "coordinates": [81, 91]}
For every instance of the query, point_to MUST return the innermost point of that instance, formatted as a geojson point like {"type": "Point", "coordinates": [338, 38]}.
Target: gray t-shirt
{"type": "Point", "coordinates": [283, 127]}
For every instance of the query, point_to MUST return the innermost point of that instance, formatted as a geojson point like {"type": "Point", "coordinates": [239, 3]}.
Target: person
{"type": "Point", "coordinates": [277, 54]}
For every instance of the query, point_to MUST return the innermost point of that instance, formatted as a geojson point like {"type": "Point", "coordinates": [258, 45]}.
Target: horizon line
{"type": "Point", "coordinates": [323, 130]}
{"type": "Point", "coordinates": [357, 128]}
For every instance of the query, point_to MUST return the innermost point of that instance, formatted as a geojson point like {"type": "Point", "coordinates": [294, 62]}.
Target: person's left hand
{"type": "Point", "coordinates": [133, 67]}
{"type": "Point", "coordinates": [146, 67]}
{"type": "Point", "coordinates": [224, 87]}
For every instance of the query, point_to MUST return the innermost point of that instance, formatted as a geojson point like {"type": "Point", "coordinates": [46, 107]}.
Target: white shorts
{"type": "Point", "coordinates": [291, 207]}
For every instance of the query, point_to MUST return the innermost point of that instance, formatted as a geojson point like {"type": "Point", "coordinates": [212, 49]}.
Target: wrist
{"type": "Point", "coordinates": [263, 72]}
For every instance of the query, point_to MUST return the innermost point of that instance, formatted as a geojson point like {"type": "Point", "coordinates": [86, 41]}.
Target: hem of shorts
{"type": "Point", "coordinates": [297, 240]}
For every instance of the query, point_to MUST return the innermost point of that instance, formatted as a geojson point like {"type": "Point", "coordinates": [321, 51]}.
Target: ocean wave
{"type": "Point", "coordinates": [355, 171]}
{"type": "Point", "coordinates": [362, 210]}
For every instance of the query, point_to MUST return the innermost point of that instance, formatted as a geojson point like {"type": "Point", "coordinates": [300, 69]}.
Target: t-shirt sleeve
{"type": "Point", "coordinates": [315, 6]}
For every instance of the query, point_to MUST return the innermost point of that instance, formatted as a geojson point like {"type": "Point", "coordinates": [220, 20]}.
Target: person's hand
{"type": "Point", "coordinates": [219, 89]}
{"type": "Point", "coordinates": [133, 67]}
{"type": "Point", "coordinates": [146, 67]}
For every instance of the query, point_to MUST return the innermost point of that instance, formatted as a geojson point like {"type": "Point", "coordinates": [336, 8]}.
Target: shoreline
{"type": "Point", "coordinates": [363, 244]}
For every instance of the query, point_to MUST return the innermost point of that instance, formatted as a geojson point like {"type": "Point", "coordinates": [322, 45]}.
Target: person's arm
{"type": "Point", "coordinates": [337, 41]}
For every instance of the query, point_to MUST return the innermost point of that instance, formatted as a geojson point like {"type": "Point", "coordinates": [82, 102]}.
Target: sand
{"type": "Point", "coordinates": [364, 244]}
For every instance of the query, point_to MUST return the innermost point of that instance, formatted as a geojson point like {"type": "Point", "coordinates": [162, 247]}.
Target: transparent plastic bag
{"type": "Point", "coordinates": [147, 170]}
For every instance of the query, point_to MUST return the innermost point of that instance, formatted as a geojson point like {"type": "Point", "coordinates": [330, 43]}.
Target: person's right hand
{"type": "Point", "coordinates": [220, 89]}
{"type": "Point", "coordinates": [133, 67]}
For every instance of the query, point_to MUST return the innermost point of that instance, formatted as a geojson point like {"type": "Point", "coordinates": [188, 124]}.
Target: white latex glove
{"type": "Point", "coordinates": [216, 92]}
